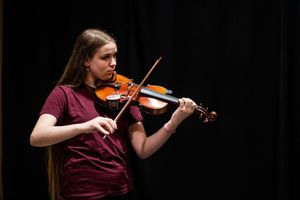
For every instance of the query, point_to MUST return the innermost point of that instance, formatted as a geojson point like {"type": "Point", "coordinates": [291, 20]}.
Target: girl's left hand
{"type": "Point", "coordinates": [185, 109]}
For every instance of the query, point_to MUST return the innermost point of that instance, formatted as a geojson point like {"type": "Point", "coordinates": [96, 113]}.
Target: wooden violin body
{"type": "Point", "coordinates": [152, 99]}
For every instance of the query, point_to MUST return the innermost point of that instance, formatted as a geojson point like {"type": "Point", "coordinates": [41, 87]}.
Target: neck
{"type": "Point", "coordinates": [93, 84]}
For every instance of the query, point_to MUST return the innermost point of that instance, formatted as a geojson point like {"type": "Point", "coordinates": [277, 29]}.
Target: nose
{"type": "Point", "coordinates": [113, 62]}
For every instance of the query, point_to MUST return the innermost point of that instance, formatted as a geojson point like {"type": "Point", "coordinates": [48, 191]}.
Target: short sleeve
{"type": "Point", "coordinates": [136, 115]}
{"type": "Point", "coordinates": [55, 103]}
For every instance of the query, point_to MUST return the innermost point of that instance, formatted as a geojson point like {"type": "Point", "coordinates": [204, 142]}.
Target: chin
{"type": "Point", "coordinates": [109, 78]}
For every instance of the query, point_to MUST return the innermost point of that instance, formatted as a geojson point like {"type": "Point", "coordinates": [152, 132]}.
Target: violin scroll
{"type": "Point", "coordinates": [205, 115]}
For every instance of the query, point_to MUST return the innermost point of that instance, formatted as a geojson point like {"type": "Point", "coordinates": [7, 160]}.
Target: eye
{"type": "Point", "coordinates": [105, 57]}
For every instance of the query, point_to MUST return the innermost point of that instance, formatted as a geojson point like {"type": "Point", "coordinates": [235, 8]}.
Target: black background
{"type": "Point", "coordinates": [238, 58]}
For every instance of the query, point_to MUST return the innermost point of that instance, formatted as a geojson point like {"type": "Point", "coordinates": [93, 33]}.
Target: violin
{"type": "Point", "coordinates": [152, 99]}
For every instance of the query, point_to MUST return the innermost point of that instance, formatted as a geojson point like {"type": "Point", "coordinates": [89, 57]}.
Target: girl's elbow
{"type": "Point", "coordinates": [33, 141]}
{"type": "Point", "coordinates": [142, 155]}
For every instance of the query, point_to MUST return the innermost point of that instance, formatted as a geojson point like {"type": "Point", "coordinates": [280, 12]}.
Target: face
{"type": "Point", "coordinates": [102, 65]}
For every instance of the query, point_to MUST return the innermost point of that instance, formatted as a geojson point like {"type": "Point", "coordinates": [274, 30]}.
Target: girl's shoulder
{"type": "Point", "coordinates": [63, 89]}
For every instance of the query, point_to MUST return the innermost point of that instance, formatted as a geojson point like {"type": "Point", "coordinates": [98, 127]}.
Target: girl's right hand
{"type": "Point", "coordinates": [103, 124]}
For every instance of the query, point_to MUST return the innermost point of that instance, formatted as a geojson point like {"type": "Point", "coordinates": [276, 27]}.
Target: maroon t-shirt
{"type": "Point", "coordinates": [93, 167]}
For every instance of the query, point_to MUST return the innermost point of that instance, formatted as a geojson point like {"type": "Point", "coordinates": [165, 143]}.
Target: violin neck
{"type": "Point", "coordinates": [171, 99]}
{"type": "Point", "coordinates": [160, 96]}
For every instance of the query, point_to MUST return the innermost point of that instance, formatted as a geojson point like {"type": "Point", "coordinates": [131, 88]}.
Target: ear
{"type": "Point", "coordinates": [86, 63]}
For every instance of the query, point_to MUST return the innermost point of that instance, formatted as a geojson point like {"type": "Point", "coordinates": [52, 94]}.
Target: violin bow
{"type": "Point", "coordinates": [136, 91]}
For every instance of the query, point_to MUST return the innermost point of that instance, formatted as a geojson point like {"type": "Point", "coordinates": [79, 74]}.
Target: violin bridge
{"type": "Point", "coordinates": [129, 88]}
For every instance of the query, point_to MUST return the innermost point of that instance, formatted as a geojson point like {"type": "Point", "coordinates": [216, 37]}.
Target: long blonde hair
{"type": "Point", "coordinates": [86, 45]}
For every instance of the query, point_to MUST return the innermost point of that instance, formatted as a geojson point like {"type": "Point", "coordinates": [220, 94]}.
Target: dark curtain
{"type": "Point", "coordinates": [238, 58]}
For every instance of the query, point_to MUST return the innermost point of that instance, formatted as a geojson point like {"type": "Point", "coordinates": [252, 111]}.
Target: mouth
{"type": "Point", "coordinates": [111, 73]}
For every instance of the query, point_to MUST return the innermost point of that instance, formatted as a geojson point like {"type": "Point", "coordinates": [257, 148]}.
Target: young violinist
{"type": "Point", "coordinates": [87, 149]}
